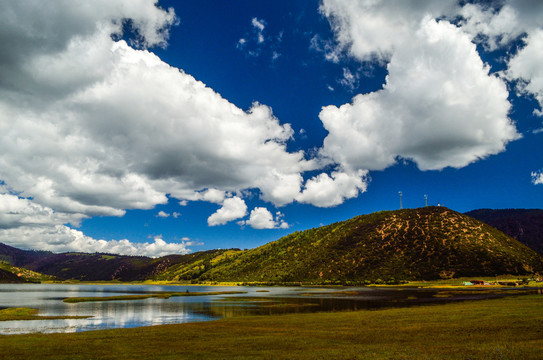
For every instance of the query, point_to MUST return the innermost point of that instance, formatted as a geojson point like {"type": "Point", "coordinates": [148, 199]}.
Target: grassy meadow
{"type": "Point", "coordinates": [507, 328]}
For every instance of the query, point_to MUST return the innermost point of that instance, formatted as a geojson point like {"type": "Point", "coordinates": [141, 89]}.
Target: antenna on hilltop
{"type": "Point", "coordinates": [401, 205]}
{"type": "Point", "coordinates": [425, 200]}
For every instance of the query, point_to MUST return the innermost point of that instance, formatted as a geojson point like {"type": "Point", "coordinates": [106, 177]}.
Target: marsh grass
{"type": "Point", "coordinates": [162, 295]}
{"type": "Point", "coordinates": [11, 314]}
{"type": "Point", "coordinates": [457, 282]}
{"type": "Point", "coordinates": [507, 328]}
{"type": "Point", "coordinates": [245, 299]}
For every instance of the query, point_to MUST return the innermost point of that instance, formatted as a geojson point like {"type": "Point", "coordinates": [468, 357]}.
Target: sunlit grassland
{"type": "Point", "coordinates": [507, 328]}
{"type": "Point", "coordinates": [457, 282]}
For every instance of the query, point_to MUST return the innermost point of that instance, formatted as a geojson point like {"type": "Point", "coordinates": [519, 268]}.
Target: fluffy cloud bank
{"type": "Point", "coordinates": [60, 238]}
{"type": "Point", "coordinates": [439, 107]}
{"type": "Point", "coordinates": [372, 29]}
{"type": "Point", "coordinates": [93, 126]}
{"type": "Point", "coordinates": [497, 24]}
{"type": "Point", "coordinates": [144, 130]}
{"type": "Point", "coordinates": [28, 225]}
{"type": "Point", "coordinates": [526, 67]}
{"type": "Point", "coordinates": [16, 212]}
{"type": "Point", "coordinates": [497, 27]}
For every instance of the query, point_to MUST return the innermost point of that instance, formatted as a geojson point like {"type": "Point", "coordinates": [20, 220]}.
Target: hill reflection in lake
{"type": "Point", "coordinates": [47, 298]}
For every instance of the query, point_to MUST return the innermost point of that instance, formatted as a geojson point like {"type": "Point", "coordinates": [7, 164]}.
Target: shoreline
{"type": "Point", "coordinates": [431, 284]}
{"type": "Point", "coordinates": [492, 329]}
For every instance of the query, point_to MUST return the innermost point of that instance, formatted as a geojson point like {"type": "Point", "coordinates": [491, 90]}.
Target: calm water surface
{"type": "Point", "coordinates": [47, 298]}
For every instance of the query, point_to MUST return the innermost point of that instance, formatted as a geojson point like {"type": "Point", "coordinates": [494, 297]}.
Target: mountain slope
{"type": "Point", "coordinates": [7, 277]}
{"type": "Point", "coordinates": [425, 243]}
{"type": "Point", "coordinates": [194, 266]}
{"type": "Point", "coordinates": [89, 267]}
{"type": "Point", "coordinates": [524, 225]}
{"type": "Point", "coordinates": [21, 274]}
{"type": "Point", "coordinates": [18, 257]}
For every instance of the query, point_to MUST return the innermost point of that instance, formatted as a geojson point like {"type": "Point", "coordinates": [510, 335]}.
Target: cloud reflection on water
{"type": "Point", "coordinates": [154, 311]}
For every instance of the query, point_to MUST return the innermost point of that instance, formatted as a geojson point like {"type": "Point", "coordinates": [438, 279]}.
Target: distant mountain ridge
{"type": "Point", "coordinates": [411, 244]}
{"type": "Point", "coordinates": [18, 257]}
{"type": "Point", "coordinates": [524, 225]}
{"type": "Point", "coordinates": [88, 267]}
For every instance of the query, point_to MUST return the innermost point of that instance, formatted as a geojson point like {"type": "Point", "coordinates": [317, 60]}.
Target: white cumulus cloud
{"type": "Point", "coordinates": [537, 177]}
{"type": "Point", "coordinates": [497, 24]}
{"type": "Point", "coordinates": [93, 125]}
{"type": "Point", "coordinates": [16, 211]}
{"type": "Point", "coordinates": [232, 208]}
{"type": "Point", "coordinates": [27, 225]}
{"type": "Point", "coordinates": [262, 218]}
{"type": "Point", "coordinates": [526, 66]}
{"type": "Point", "coordinates": [327, 191]}
{"type": "Point", "coordinates": [372, 29]}
{"type": "Point", "coordinates": [213, 195]}
{"type": "Point", "coordinates": [163, 214]}
{"type": "Point", "coordinates": [439, 107]}
{"type": "Point", "coordinates": [90, 125]}
{"type": "Point", "coordinates": [259, 25]}
{"type": "Point", "coordinates": [60, 238]}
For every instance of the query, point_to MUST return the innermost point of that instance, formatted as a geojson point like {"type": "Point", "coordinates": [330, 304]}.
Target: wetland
{"type": "Point", "coordinates": [65, 308]}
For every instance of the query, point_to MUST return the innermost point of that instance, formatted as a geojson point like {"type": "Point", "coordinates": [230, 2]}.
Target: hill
{"type": "Point", "coordinates": [412, 244]}
{"type": "Point", "coordinates": [88, 267]}
{"type": "Point", "coordinates": [7, 277]}
{"type": "Point", "coordinates": [524, 225]}
{"type": "Point", "coordinates": [18, 257]}
{"type": "Point", "coordinates": [9, 273]}
{"type": "Point", "coordinates": [426, 243]}
{"type": "Point", "coordinates": [14, 274]}
{"type": "Point", "coordinates": [92, 267]}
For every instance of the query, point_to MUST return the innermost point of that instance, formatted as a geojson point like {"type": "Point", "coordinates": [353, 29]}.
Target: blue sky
{"type": "Point", "coordinates": [201, 125]}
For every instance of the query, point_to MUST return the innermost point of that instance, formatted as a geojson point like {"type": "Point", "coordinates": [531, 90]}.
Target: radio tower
{"type": "Point", "coordinates": [401, 205]}
{"type": "Point", "coordinates": [425, 200]}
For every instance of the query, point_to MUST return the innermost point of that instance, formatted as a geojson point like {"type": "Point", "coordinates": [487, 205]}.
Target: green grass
{"type": "Point", "coordinates": [10, 314]}
{"type": "Point", "coordinates": [246, 299]}
{"type": "Point", "coordinates": [508, 328]}
{"type": "Point", "coordinates": [457, 283]}
{"type": "Point", "coordinates": [163, 295]}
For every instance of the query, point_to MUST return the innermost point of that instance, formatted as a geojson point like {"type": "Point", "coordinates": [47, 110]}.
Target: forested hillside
{"type": "Point", "coordinates": [425, 243]}
{"type": "Point", "coordinates": [388, 246]}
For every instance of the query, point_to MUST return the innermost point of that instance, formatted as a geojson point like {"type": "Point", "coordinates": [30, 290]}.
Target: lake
{"type": "Point", "coordinates": [47, 298]}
